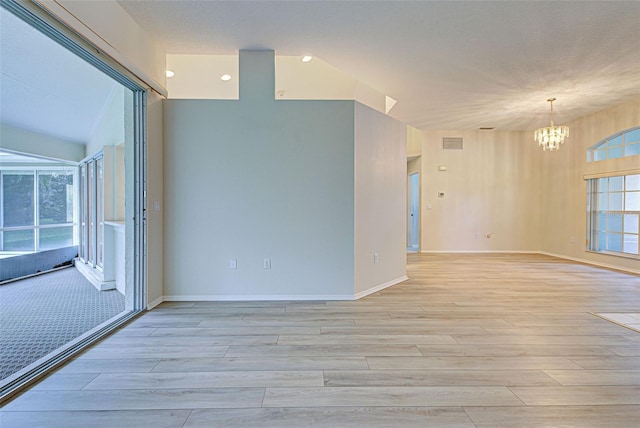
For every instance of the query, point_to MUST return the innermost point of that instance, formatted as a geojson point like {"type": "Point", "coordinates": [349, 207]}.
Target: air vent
{"type": "Point", "coordinates": [449, 143]}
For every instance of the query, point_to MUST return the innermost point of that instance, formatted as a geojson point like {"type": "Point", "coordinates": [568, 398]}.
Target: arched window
{"type": "Point", "coordinates": [625, 143]}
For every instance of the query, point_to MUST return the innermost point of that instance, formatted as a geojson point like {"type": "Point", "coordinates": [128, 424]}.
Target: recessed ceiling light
{"type": "Point", "coordinates": [170, 73]}
{"type": "Point", "coordinates": [307, 58]}
{"type": "Point", "coordinates": [225, 77]}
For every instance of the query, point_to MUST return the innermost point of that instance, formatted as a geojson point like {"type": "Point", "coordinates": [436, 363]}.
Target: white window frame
{"type": "Point", "coordinates": [36, 171]}
{"type": "Point", "coordinates": [602, 146]}
{"type": "Point", "coordinates": [595, 229]}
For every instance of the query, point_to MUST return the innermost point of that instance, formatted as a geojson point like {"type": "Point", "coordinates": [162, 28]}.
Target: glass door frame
{"type": "Point", "coordinates": [136, 267]}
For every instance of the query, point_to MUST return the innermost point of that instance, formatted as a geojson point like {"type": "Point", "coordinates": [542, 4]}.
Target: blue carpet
{"type": "Point", "coordinates": [40, 314]}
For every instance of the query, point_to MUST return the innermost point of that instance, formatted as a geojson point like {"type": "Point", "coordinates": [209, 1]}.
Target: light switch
{"type": "Point", "coordinates": [156, 206]}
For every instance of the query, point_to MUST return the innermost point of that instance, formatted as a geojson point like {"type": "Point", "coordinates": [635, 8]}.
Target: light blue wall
{"type": "Point", "coordinates": [255, 179]}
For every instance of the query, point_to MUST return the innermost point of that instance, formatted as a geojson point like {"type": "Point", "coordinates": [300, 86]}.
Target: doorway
{"type": "Point", "coordinates": [413, 212]}
{"type": "Point", "coordinates": [44, 134]}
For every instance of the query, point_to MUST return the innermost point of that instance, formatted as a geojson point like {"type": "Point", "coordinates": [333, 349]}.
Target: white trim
{"type": "Point", "coordinates": [254, 297]}
{"type": "Point", "coordinates": [546, 253]}
{"type": "Point", "coordinates": [380, 287]}
{"type": "Point", "coordinates": [479, 252]}
{"type": "Point", "coordinates": [155, 303]}
{"type": "Point", "coordinates": [591, 262]}
{"type": "Point", "coordinates": [611, 173]}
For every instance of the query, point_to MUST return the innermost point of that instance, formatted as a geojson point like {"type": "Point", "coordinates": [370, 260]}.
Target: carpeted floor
{"type": "Point", "coordinates": [40, 314]}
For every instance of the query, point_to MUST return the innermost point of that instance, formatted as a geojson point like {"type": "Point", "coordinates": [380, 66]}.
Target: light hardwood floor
{"type": "Point", "coordinates": [469, 340]}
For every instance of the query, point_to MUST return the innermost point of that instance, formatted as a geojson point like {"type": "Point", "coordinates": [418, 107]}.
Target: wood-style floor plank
{"type": "Point", "coordinates": [592, 395]}
{"type": "Point", "coordinates": [331, 417]}
{"type": "Point", "coordinates": [595, 377]}
{"type": "Point", "coordinates": [206, 380]}
{"type": "Point", "coordinates": [555, 416]}
{"type": "Point", "coordinates": [123, 399]}
{"type": "Point", "coordinates": [470, 363]}
{"type": "Point", "coordinates": [393, 377]}
{"type": "Point", "coordinates": [362, 396]}
{"type": "Point", "coordinates": [98, 418]}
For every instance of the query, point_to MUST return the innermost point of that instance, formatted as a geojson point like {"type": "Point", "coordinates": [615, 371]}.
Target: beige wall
{"type": "Point", "coordinates": [415, 139]}
{"type": "Point", "coordinates": [501, 184]}
{"type": "Point", "coordinates": [198, 77]}
{"type": "Point", "coordinates": [564, 188]}
{"type": "Point", "coordinates": [491, 187]}
{"type": "Point", "coordinates": [29, 142]}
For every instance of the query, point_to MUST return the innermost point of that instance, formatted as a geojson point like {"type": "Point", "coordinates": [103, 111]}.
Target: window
{"type": "Point", "coordinates": [37, 209]}
{"type": "Point", "coordinates": [614, 214]}
{"type": "Point", "coordinates": [625, 143]}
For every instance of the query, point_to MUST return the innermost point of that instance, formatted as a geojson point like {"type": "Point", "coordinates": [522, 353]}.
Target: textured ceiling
{"type": "Point", "coordinates": [450, 64]}
{"type": "Point", "coordinates": [45, 88]}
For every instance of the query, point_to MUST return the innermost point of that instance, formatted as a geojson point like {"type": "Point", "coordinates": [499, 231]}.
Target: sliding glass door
{"type": "Point", "coordinates": [88, 227]}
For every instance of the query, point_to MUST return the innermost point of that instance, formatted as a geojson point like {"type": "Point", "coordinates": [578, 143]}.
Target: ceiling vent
{"type": "Point", "coordinates": [449, 143]}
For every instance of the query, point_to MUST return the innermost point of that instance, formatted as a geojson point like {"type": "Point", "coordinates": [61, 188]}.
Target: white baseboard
{"type": "Point", "coordinates": [155, 303]}
{"type": "Point", "coordinates": [479, 252]}
{"type": "Point", "coordinates": [254, 297]}
{"type": "Point", "coordinates": [377, 288]}
{"type": "Point", "coordinates": [546, 253]}
{"type": "Point", "coordinates": [591, 262]}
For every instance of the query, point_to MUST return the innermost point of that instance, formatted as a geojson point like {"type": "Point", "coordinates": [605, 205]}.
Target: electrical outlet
{"type": "Point", "coordinates": [267, 264]}
{"type": "Point", "coordinates": [375, 257]}
{"type": "Point", "coordinates": [573, 240]}
{"type": "Point", "coordinates": [233, 264]}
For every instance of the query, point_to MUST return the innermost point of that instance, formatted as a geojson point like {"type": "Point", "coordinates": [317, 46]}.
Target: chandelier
{"type": "Point", "coordinates": [552, 136]}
